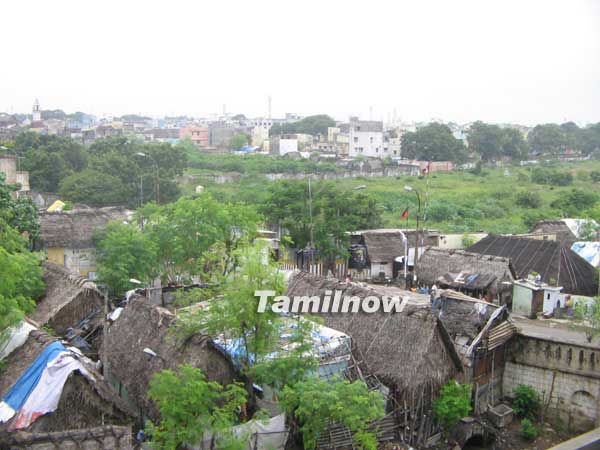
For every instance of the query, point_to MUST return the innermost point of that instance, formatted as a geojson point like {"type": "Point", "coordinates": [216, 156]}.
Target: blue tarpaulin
{"type": "Point", "coordinates": [20, 391]}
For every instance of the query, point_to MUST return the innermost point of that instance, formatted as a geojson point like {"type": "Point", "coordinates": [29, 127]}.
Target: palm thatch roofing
{"type": "Point", "coordinates": [410, 350]}
{"type": "Point", "coordinates": [76, 229]}
{"type": "Point", "coordinates": [83, 404]}
{"type": "Point", "coordinates": [477, 272]}
{"type": "Point", "coordinates": [383, 245]}
{"type": "Point", "coordinates": [563, 233]}
{"type": "Point", "coordinates": [552, 260]}
{"type": "Point", "coordinates": [142, 325]}
{"type": "Point", "coordinates": [108, 437]}
{"type": "Point", "coordinates": [69, 299]}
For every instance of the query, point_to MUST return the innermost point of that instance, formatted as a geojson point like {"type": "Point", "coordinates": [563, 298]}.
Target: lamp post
{"type": "Point", "coordinates": [411, 189]}
{"type": "Point", "coordinates": [157, 174]}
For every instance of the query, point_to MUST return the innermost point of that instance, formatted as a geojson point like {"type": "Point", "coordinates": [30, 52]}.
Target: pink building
{"type": "Point", "coordinates": [198, 135]}
{"type": "Point", "coordinates": [435, 166]}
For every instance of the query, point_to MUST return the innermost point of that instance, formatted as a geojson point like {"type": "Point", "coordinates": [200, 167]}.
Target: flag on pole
{"type": "Point", "coordinates": [404, 214]}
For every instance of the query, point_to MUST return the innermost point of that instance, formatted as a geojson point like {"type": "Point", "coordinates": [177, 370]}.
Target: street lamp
{"type": "Point", "coordinates": [157, 179]}
{"type": "Point", "coordinates": [411, 189]}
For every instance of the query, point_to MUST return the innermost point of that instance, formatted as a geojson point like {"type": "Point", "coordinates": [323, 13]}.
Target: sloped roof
{"type": "Point", "coordinates": [383, 245]}
{"type": "Point", "coordinates": [410, 350]}
{"type": "Point", "coordinates": [566, 230]}
{"type": "Point", "coordinates": [69, 298]}
{"type": "Point", "coordinates": [550, 259]}
{"type": "Point", "coordinates": [97, 396]}
{"type": "Point", "coordinates": [76, 229]}
{"type": "Point", "coordinates": [478, 271]}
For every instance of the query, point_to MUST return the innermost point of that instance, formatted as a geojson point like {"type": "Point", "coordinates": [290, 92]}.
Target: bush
{"type": "Point", "coordinates": [527, 402]}
{"type": "Point", "coordinates": [528, 430]}
{"type": "Point", "coordinates": [440, 212]}
{"type": "Point", "coordinates": [528, 199]}
{"type": "Point", "coordinates": [595, 176]}
{"type": "Point", "coordinates": [453, 404]}
{"type": "Point", "coordinates": [552, 177]}
{"type": "Point", "coordinates": [574, 202]}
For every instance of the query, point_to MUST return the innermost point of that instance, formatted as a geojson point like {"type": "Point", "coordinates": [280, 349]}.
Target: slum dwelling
{"type": "Point", "coordinates": [475, 274]}
{"type": "Point", "coordinates": [141, 342]}
{"type": "Point", "coordinates": [408, 355]}
{"type": "Point", "coordinates": [86, 400]}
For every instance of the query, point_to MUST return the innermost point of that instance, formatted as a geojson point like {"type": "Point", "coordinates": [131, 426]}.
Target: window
{"type": "Point", "coordinates": [371, 139]}
{"type": "Point", "coordinates": [355, 140]}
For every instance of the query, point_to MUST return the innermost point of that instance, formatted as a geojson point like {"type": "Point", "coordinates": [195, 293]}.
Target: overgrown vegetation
{"type": "Point", "coordinates": [315, 402]}
{"type": "Point", "coordinates": [527, 403]}
{"type": "Point", "coordinates": [586, 318]}
{"type": "Point", "coordinates": [528, 430]}
{"type": "Point", "coordinates": [190, 406]}
{"type": "Point", "coordinates": [453, 403]}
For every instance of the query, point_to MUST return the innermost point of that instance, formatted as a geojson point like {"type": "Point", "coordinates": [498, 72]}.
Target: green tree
{"type": "Point", "coordinates": [19, 213]}
{"type": "Point", "coordinates": [315, 402]}
{"type": "Point", "coordinates": [487, 140]}
{"type": "Point", "coordinates": [334, 212]}
{"type": "Point", "coordinates": [238, 141]}
{"type": "Point", "coordinates": [124, 252]}
{"type": "Point", "coordinates": [94, 188]}
{"type": "Point", "coordinates": [586, 318]}
{"type": "Point", "coordinates": [453, 403]}
{"type": "Point", "coordinates": [21, 276]}
{"type": "Point", "coordinates": [191, 406]}
{"type": "Point", "coordinates": [433, 142]}
{"type": "Point", "coordinates": [187, 230]}
{"type": "Point", "coordinates": [547, 139]}
{"type": "Point", "coordinates": [528, 199]}
{"type": "Point", "coordinates": [313, 125]}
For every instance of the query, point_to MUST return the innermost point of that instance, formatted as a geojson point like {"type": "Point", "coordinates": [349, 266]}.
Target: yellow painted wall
{"type": "Point", "coordinates": [57, 256]}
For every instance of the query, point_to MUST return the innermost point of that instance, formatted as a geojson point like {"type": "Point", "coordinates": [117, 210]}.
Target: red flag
{"type": "Point", "coordinates": [404, 214]}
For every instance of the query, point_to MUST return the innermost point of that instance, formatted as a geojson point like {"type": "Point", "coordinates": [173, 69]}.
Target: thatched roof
{"type": "Point", "coordinates": [68, 299]}
{"type": "Point", "coordinates": [567, 231]}
{"type": "Point", "coordinates": [555, 262]}
{"type": "Point", "coordinates": [383, 245]}
{"type": "Point", "coordinates": [408, 350]}
{"type": "Point", "coordinates": [142, 325]}
{"type": "Point", "coordinates": [108, 437]}
{"type": "Point", "coordinates": [481, 271]}
{"type": "Point", "coordinates": [76, 229]}
{"type": "Point", "coordinates": [83, 403]}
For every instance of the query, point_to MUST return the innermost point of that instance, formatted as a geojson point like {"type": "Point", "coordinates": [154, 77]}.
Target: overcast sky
{"type": "Point", "coordinates": [498, 61]}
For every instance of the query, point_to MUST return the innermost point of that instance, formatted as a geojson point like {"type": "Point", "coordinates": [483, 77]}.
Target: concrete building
{"type": "Point", "coordinates": [365, 138]}
{"type": "Point", "coordinates": [198, 135]}
{"type": "Point", "coordinates": [283, 144]}
{"type": "Point", "coordinates": [8, 166]}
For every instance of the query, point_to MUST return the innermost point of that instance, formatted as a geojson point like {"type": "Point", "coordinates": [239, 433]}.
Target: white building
{"type": "Point", "coordinates": [365, 138]}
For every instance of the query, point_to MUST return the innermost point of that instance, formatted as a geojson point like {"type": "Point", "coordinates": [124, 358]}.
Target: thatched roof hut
{"type": "Point", "coordinates": [472, 272]}
{"type": "Point", "coordinates": [76, 229]}
{"type": "Point", "coordinates": [68, 299]}
{"type": "Point", "coordinates": [83, 404]}
{"type": "Point", "coordinates": [553, 261]}
{"type": "Point", "coordinates": [567, 231]}
{"type": "Point", "coordinates": [142, 325]}
{"type": "Point", "coordinates": [410, 350]}
{"type": "Point", "coordinates": [383, 245]}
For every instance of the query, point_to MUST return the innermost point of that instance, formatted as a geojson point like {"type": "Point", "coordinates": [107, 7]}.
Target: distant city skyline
{"type": "Point", "coordinates": [501, 62]}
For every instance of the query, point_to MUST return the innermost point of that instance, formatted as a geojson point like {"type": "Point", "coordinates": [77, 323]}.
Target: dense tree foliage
{"type": "Point", "coordinates": [315, 402]}
{"type": "Point", "coordinates": [20, 272]}
{"type": "Point", "coordinates": [58, 164]}
{"type": "Point", "coordinates": [313, 125]}
{"type": "Point", "coordinates": [453, 403]}
{"type": "Point", "coordinates": [553, 139]}
{"type": "Point", "coordinates": [19, 213]}
{"type": "Point", "coordinates": [433, 142]}
{"type": "Point", "coordinates": [334, 212]}
{"type": "Point", "coordinates": [493, 142]}
{"type": "Point", "coordinates": [191, 406]}
{"type": "Point", "coordinates": [125, 252]}
{"type": "Point", "coordinates": [238, 141]}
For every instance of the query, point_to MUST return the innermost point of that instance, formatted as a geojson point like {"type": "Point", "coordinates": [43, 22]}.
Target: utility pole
{"type": "Point", "coordinates": [418, 231]}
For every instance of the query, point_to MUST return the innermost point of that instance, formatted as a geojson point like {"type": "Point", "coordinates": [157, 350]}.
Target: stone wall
{"type": "Point", "coordinates": [567, 376]}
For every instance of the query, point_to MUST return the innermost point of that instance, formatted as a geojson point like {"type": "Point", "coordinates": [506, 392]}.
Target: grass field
{"type": "Point", "coordinates": [456, 202]}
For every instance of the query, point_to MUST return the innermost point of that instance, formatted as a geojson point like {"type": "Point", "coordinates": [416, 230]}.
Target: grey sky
{"type": "Point", "coordinates": [499, 61]}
